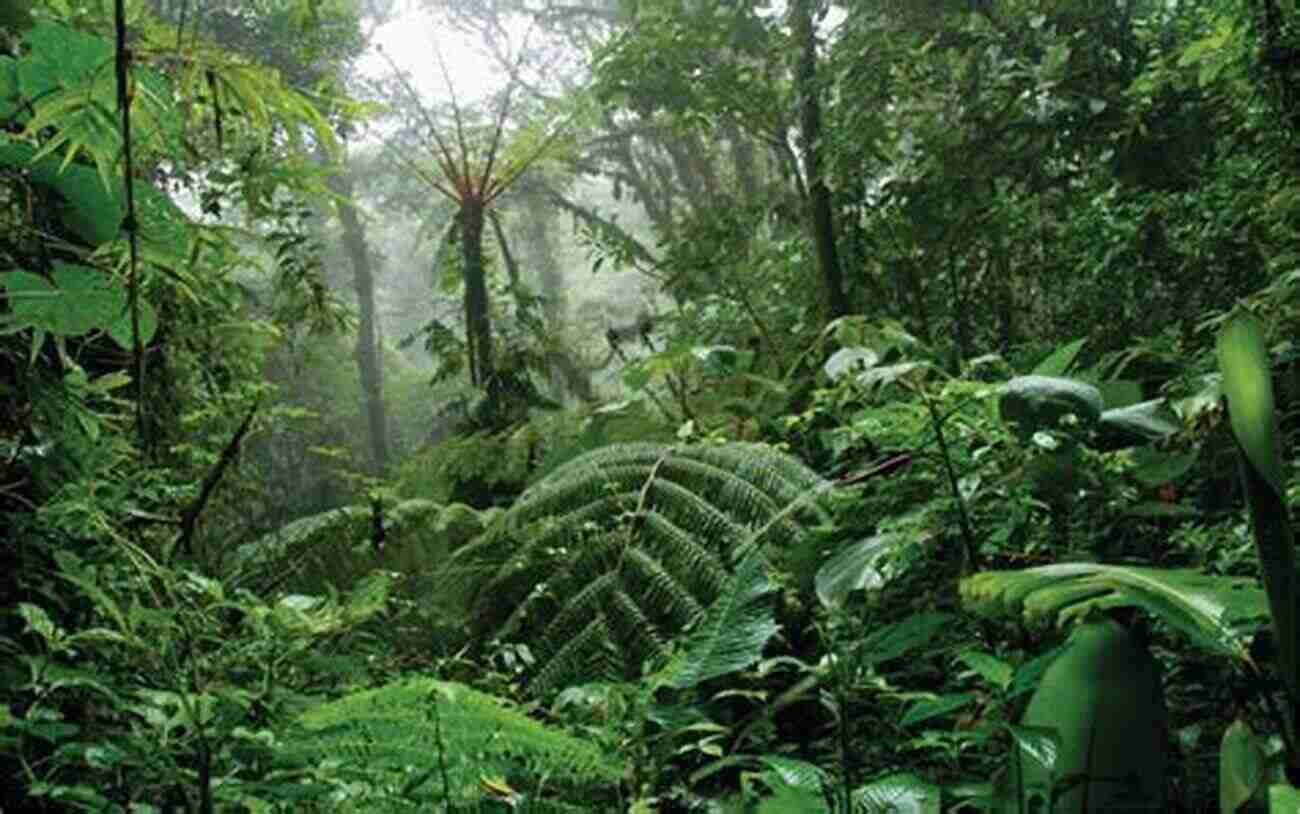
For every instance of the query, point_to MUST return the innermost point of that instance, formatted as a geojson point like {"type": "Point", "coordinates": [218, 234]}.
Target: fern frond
{"type": "Point", "coordinates": [615, 552]}
{"type": "Point", "coordinates": [380, 739]}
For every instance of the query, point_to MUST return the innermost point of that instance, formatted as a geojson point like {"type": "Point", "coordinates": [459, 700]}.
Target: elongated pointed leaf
{"type": "Point", "coordinates": [1248, 387]}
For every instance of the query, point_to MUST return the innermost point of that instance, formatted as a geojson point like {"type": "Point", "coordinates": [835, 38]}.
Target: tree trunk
{"type": "Point", "coordinates": [478, 318]}
{"type": "Point", "coordinates": [821, 213]}
{"type": "Point", "coordinates": [367, 349]}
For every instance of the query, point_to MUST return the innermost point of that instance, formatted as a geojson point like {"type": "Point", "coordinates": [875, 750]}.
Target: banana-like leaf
{"type": "Point", "coordinates": [1217, 613]}
{"type": "Point", "coordinates": [734, 631]}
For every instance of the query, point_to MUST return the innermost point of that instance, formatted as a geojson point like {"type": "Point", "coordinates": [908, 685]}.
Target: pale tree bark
{"type": "Point", "coordinates": [369, 363]}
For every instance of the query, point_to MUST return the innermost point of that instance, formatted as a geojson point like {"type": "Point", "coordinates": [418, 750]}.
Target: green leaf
{"type": "Point", "coordinates": [991, 668]}
{"type": "Point", "coordinates": [734, 631]}
{"type": "Point", "coordinates": [1035, 403]}
{"type": "Point", "coordinates": [847, 361]}
{"type": "Point", "coordinates": [1059, 361]}
{"type": "Point", "coordinates": [1218, 613]}
{"type": "Point", "coordinates": [854, 568]}
{"type": "Point", "coordinates": [1155, 467]}
{"type": "Point", "coordinates": [1283, 799]}
{"type": "Point", "coordinates": [38, 621]}
{"type": "Point", "coordinates": [897, 793]}
{"type": "Point", "coordinates": [1248, 386]}
{"type": "Point", "coordinates": [1138, 423]}
{"type": "Point", "coordinates": [120, 330]}
{"type": "Point", "coordinates": [77, 299]}
{"type": "Point", "coordinates": [902, 637]}
{"type": "Point", "coordinates": [1241, 766]}
{"type": "Point", "coordinates": [928, 708]}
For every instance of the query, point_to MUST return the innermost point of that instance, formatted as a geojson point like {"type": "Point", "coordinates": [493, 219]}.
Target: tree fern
{"type": "Point", "coordinates": [405, 745]}
{"type": "Point", "coordinates": [601, 563]}
{"type": "Point", "coordinates": [335, 548]}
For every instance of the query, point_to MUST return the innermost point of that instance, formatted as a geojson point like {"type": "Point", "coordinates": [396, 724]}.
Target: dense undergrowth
{"type": "Point", "coordinates": [802, 549]}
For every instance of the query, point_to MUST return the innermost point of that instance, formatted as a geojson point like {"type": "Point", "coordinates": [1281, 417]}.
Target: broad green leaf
{"type": "Point", "coordinates": [991, 668]}
{"type": "Point", "coordinates": [76, 301]}
{"type": "Point", "coordinates": [1218, 613]}
{"type": "Point", "coordinates": [9, 100]}
{"type": "Point", "coordinates": [1040, 744]}
{"type": "Point", "coordinates": [38, 621]}
{"type": "Point", "coordinates": [1248, 386]}
{"type": "Point", "coordinates": [1241, 766]}
{"type": "Point", "coordinates": [854, 568]}
{"type": "Point", "coordinates": [795, 773]}
{"type": "Point", "coordinates": [1059, 361]}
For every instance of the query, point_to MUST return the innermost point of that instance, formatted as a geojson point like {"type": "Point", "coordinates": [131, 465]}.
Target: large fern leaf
{"type": "Point", "coordinates": [600, 564]}
{"type": "Point", "coordinates": [335, 548]}
{"type": "Point", "coordinates": [1218, 613]}
{"type": "Point", "coordinates": [414, 740]}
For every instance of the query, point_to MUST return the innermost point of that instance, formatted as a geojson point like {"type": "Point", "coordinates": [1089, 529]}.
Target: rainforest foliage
{"type": "Point", "coordinates": [737, 407]}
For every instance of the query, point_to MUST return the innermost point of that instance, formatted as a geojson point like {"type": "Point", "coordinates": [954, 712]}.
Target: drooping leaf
{"type": "Point", "coordinates": [1136, 424]}
{"type": "Point", "coordinates": [1218, 613]}
{"type": "Point", "coordinates": [991, 668]}
{"type": "Point", "coordinates": [1035, 403]}
{"type": "Point", "coordinates": [1248, 388]}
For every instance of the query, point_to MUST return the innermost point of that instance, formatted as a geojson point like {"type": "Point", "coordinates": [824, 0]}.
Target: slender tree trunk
{"type": "Point", "coordinates": [367, 348]}
{"type": "Point", "coordinates": [821, 212]}
{"type": "Point", "coordinates": [478, 318]}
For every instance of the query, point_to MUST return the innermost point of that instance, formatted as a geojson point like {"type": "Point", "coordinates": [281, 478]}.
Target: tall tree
{"type": "Point", "coordinates": [473, 167]}
{"type": "Point", "coordinates": [821, 216]}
